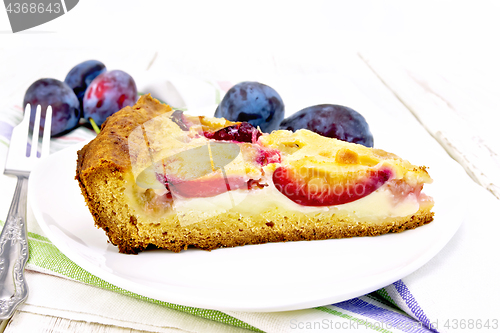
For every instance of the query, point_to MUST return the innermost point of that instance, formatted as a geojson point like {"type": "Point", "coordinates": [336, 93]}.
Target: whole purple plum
{"type": "Point", "coordinates": [252, 102]}
{"type": "Point", "coordinates": [333, 121]}
{"type": "Point", "coordinates": [108, 93]}
{"type": "Point", "coordinates": [65, 105]}
{"type": "Point", "coordinates": [80, 76]}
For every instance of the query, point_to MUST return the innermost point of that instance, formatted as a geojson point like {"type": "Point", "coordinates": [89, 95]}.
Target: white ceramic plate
{"type": "Point", "coordinates": [268, 277]}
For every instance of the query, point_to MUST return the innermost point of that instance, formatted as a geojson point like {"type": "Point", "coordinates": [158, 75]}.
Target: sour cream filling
{"type": "Point", "coordinates": [380, 203]}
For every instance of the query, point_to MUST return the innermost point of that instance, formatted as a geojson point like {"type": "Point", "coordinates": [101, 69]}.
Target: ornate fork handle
{"type": "Point", "coordinates": [14, 252]}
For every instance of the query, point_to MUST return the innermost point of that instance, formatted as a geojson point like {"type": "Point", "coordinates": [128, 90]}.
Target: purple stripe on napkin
{"type": "Point", "coordinates": [385, 319]}
{"type": "Point", "coordinates": [5, 129]}
{"type": "Point", "coordinates": [412, 304]}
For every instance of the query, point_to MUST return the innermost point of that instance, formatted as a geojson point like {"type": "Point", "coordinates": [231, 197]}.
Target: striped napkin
{"type": "Point", "coordinates": [433, 299]}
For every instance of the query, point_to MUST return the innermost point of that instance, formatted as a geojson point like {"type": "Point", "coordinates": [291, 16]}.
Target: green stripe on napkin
{"type": "Point", "coordinates": [382, 293]}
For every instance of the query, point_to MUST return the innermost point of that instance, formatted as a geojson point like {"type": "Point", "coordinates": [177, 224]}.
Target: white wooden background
{"type": "Point", "coordinates": [434, 60]}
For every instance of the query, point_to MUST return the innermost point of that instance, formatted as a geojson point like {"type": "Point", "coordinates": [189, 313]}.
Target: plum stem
{"type": "Point", "coordinates": [94, 126]}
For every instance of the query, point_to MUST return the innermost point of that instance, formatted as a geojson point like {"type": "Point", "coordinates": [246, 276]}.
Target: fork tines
{"type": "Point", "coordinates": [36, 127]}
{"type": "Point", "coordinates": [20, 160]}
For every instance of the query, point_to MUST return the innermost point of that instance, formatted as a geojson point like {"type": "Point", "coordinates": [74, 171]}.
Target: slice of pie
{"type": "Point", "coordinates": [155, 177]}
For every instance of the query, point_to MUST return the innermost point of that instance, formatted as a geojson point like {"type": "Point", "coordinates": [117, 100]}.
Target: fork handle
{"type": "Point", "coordinates": [14, 252]}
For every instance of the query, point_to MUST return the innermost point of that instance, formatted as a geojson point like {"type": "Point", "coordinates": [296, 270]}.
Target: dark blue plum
{"type": "Point", "coordinates": [108, 93]}
{"type": "Point", "coordinates": [333, 121]}
{"type": "Point", "coordinates": [65, 105]}
{"type": "Point", "coordinates": [80, 76]}
{"type": "Point", "coordinates": [255, 103]}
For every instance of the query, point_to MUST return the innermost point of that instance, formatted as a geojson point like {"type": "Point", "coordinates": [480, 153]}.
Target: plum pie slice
{"type": "Point", "coordinates": [159, 178]}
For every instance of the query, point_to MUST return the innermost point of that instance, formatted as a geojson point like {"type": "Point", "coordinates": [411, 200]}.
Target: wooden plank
{"type": "Point", "coordinates": [458, 105]}
{"type": "Point", "coordinates": [23, 322]}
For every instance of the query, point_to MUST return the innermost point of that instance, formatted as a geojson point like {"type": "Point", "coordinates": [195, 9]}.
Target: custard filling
{"type": "Point", "coordinates": [198, 168]}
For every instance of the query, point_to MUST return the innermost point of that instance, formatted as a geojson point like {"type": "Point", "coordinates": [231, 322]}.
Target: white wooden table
{"type": "Point", "coordinates": [453, 90]}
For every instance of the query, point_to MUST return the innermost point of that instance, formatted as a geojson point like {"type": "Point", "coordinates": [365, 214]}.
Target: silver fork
{"type": "Point", "coordinates": [13, 239]}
